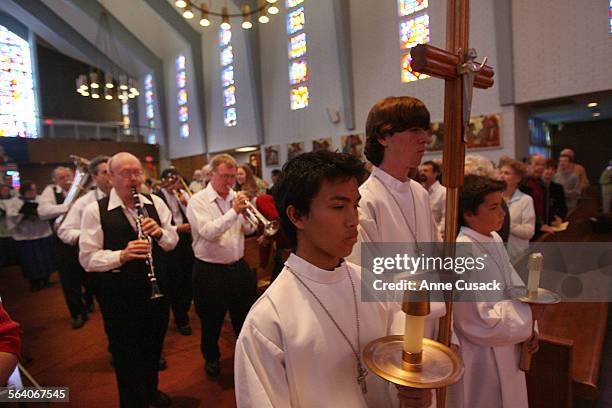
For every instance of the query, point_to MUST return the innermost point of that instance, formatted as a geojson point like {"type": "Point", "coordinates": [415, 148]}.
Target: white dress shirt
{"type": "Point", "coordinates": [28, 228]}
{"type": "Point", "coordinates": [48, 207]}
{"type": "Point", "coordinates": [522, 223]}
{"type": "Point", "coordinates": [70, 229]}
{"type": "Point", "coordinates": [217, 230]}
{"type": "Point", "coordinates": [437, 201]}
{"type": "Point", "coordinates": [92, 255]}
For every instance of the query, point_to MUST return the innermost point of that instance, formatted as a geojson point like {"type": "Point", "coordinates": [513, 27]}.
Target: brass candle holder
{"type": "Point", "coordinates": [435, 366]}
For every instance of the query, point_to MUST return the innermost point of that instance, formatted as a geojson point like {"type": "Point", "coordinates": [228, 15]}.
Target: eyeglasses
{"type": "Point", "coordinates": [226, 176]}
{"type": "Point", "coordinates": [127, 174]}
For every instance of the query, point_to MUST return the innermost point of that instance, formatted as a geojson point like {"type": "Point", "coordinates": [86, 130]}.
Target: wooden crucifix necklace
{"type": "Point", "coordinates": [362, 372]}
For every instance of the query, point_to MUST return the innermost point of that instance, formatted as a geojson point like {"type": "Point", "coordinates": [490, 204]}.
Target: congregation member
{"type": "Point", "coordinates": [7, 245]}
{"type": "Point", "coordinates": [430, 173]}
{"type": "Point", "coordinates": [393, 207]}
{"type": "Point", "coordinates": [569, 180]}
{"type": "Point", "coordinates": [302, 342]}
{"type": "Point", "coordinates": [222, 280]}
{"type": "Point", "coordinates": [577, 168]}
{"type": "Point", "coordinates": [522, 213]}
{"type": "Point", "coordinates": [605, 180]}
{"type": "Point", "coordinates": [246, 182]}
{"type": "Point", "coordinates": [490, 333]}
{"type": "Point", "coordinates": [135, 322]}
{"type": "Point", "coordinates": [180, 265]}
{"type": "Point", "coordinates": [33, 237]}
{"type": "Point", "coordinates": [80, 304]}
{"type": "Point", "coordinates": [554, 199]}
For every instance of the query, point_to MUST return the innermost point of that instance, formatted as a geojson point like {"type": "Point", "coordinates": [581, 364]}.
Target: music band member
{"type": "Point", "coordinates": [222, 280]}
{"type": "Point", "coordinates": [69, 232]}
{"type": "Point", "coordinates": [134, 323]}
{"type": "Point", "coordinates": [180, 291]}
{"type": "Point", "coordinates": [302, 342]}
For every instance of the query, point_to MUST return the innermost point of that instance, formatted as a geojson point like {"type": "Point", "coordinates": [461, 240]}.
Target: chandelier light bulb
{"type": "Point", "coordinates": [188, 13]}
{"type": "Point", "coordinates": [108, 77]}
{"type": "Point", "coordinates": [225, 24]}
{"type": "Point", "coordinates": [271, 1]}
{"type": "Point", "coordinates": [247, 25]}
{"type": "Point", "coordinates": [273, 10]}
{"type": "Point", "coordinates": [204, 22]}
{"type": "Point", "coordinates": [246, 17]}
{"type": "Point", "coordinates": [95, 96]}
{"type": "Point", "coordinates": [93, 77]}
{"type": "Point", "coordinates": [180, 3]}
{"type": "Point", "coordinates": [84, 93]}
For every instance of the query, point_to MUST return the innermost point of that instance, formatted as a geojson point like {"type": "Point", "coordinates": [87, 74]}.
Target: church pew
{"type": "Point", "coordinates": [549, 382]}
{"type": "Point", "coordinates": [582, 324]}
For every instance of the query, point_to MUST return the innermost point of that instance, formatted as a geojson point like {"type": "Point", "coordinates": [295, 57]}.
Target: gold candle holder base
{"type": "Point", "coordinates": [542, 296]}
{"type": "Point", "coordinates": [439, 366]}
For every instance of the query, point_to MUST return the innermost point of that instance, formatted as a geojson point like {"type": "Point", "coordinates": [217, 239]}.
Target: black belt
{"type": "Point", "coordinates": [227, 265]}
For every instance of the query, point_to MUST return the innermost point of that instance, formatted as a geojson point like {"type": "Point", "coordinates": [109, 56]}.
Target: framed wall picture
{"type": "Point", "coordinates": [272, 155]}
{"type": "Point", "coordinates": [294, 150]}
{"type": "Point", "coordinates": [484, 133]}
{"type": "Point", "coordinates": [324, 143]}
{"type": "Point", "coordinates": [353, 144]}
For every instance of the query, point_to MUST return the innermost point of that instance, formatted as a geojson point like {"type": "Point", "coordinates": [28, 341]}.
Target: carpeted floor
{"type": "Point", "coordinates": [79, 359]}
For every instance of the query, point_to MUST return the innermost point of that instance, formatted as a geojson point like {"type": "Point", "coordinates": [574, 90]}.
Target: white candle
{"type": "Point", "coordinates": [413, 334]}
{"type": "Point", "coordinates": [535, 265]}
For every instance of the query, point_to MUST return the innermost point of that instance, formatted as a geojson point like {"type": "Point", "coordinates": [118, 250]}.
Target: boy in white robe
{"type": "Point", "coordinates": [394, 208]}
{"type": "Point", "coordinates": [490, 333]}
{"type": "Point", "coordinates": [302, 341]}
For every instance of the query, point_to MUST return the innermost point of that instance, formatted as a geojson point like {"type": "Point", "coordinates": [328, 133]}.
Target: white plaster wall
{"type": "Point", "coordinates": [561, 48]}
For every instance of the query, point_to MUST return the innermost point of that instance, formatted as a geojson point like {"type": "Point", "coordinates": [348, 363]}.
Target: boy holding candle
{"type": "Point", "coordinates": [490, 333]}
{"type": "Point", "coordinates": [302, 342]}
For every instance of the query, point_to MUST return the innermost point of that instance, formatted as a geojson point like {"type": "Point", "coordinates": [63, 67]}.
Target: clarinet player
{"type": "Point", "coordinates": [135, 323]}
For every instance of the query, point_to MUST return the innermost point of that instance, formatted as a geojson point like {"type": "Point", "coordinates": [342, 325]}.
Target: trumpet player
{"type": "Point", "coordinates": [134, 323]}
{"type": "Point", "coordinates": [222, 280]}
{"type": "Point", "coordinates": [69, 232]}
{"type": "Point", "coordinates": [180, 291]}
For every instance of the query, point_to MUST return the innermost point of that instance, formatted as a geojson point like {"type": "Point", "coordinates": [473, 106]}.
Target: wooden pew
{"type": "Point", "coordinates": [579, 327]}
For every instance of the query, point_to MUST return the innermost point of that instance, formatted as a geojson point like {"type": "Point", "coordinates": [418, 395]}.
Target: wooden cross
{"type": "Point", "coordinates": [461, 73]}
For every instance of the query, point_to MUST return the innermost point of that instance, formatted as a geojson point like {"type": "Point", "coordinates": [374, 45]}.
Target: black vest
{"type": "Point", "coordinates": [117, 232]}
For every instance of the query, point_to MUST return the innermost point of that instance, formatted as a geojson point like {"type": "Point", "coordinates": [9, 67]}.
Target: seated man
{"type": "Point", "coordinates": [302, 341]}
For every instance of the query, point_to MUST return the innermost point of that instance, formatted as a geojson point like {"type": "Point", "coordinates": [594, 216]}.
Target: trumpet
{"type": "Point", "coordinates": [80, 185]}
{"type": "Point", "coordinates": [155, 292]}
{"type": "Point", "coordinates": [254, 216]}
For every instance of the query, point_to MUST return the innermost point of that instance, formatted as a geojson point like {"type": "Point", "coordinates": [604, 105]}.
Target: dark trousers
{"type": "Point", "coordinates": [73, 278]}
{"type": "Point", "coordinates": [135, 326]}
{"type": "Point", "coordinates": [180, 289]}
{"type": "Point", "coordinates": [217, 289]}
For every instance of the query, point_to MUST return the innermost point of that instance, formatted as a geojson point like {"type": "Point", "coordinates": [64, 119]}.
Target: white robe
{"type": "Point", "coordinates": [381, 220]}
{"type": "Point", "coordinates": [490, 334]}
{"type": "Point", "coordinates": [290, 354]}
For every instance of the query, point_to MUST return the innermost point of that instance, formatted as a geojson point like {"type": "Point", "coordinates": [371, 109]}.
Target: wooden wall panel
{"type": "Point", "coordinates": [187, 165]}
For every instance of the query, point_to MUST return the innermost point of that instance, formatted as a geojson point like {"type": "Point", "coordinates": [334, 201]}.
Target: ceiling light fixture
{"type": "Point", "coordinates": [263, 8]}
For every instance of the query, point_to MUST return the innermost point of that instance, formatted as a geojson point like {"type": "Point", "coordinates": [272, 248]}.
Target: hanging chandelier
{"type": "Point", "coordinates": [264, 8]}
{"type": "Point", "coordinates": [111, 83]}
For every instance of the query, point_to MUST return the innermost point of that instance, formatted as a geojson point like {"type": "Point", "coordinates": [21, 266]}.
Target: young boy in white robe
{"type": "Point", "coordinates": [393, 207]}
{"type": "Point", "coordinates": [490, 333]}
{"type": "Point", "coordinates": [302, 342]}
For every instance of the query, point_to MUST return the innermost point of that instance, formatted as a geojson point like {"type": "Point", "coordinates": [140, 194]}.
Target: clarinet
{"type": "Point", "coordinates": [155, 292]}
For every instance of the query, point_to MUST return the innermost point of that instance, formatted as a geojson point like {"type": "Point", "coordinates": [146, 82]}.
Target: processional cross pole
{"type": "Point", "coordinates": [461, 73]}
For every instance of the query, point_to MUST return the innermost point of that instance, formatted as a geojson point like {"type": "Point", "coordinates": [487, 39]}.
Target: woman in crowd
{"type": "Point", "coordinates": [522, 212]}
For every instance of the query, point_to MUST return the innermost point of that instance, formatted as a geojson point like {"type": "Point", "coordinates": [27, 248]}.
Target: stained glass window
{"type": "Point", "coordinates": [610, 16]}
{"type": "Point", "coordinates": [297, 46]}
{"type": "Point", "coordinates": [225, 37]}
{"type": "Point", "coordinates": [227, 56]}
{"type": "Point", "coordinates": [414, 31]}
{"type": "Point", "coordinates": [407, 7]}
{"type": "Point", "coordinates": [17, 101]}
{"type": "Point", "coordinates": [295, 20]}
{"type": "Point", "coordinates": [150, 108]}
{"type": "Point", "coordinates": [227, 76]}
{"type": "Point", "coordinates": [229, 96]}
{"type": "Point", "coordinates": [299, 97]}
{"type": "Point", "coordinates": [231, 117]}
{"type": "Point", "coordinates": [298, 72]}
{"type": "Point", "coordinates": [182, 98]}
{"type": "Point", "coordinates": [230, 113]}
